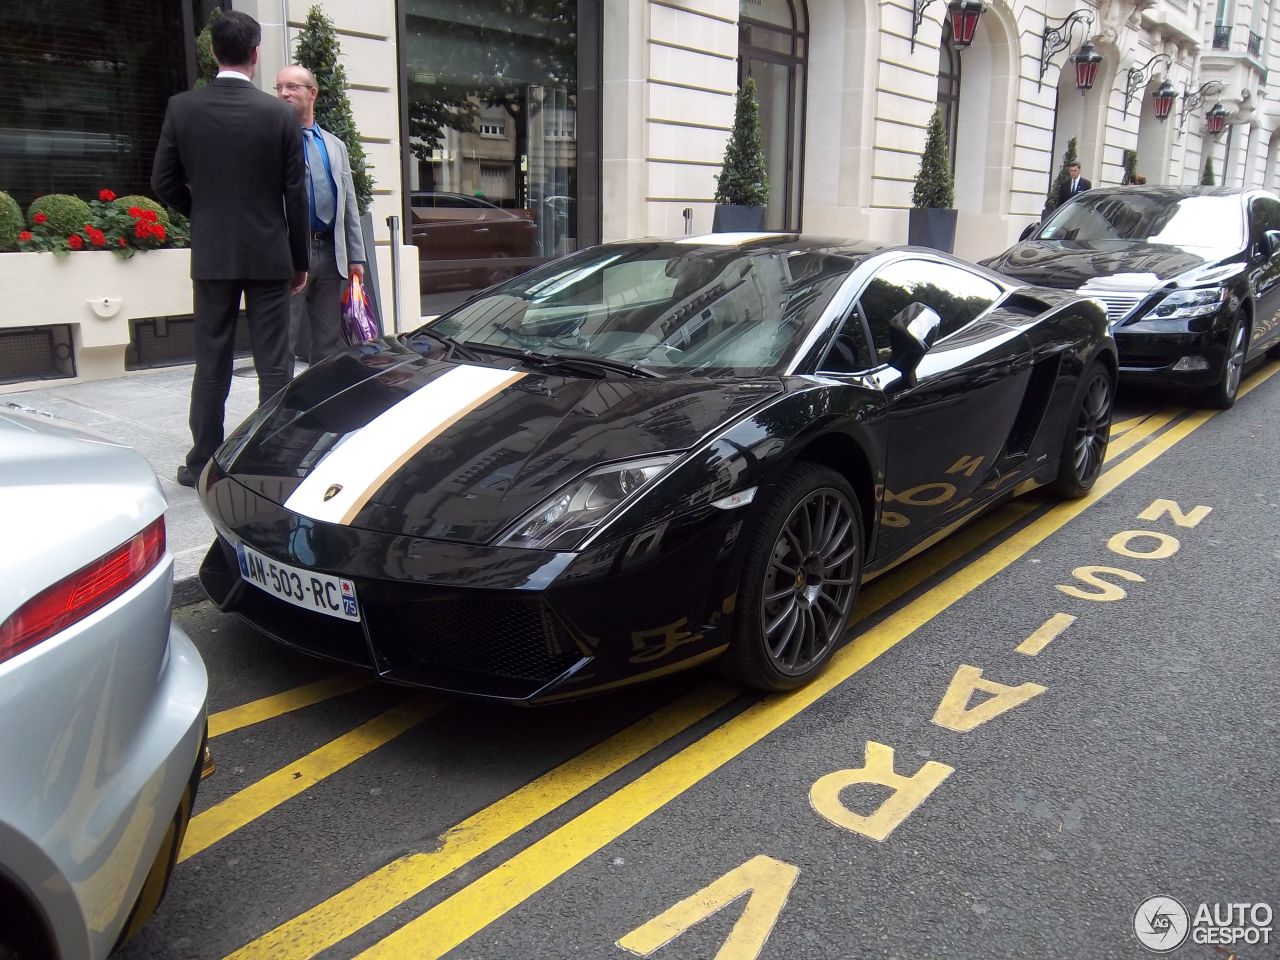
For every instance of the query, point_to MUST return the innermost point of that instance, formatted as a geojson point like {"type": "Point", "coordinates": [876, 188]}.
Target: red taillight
{"type": "Point", "coordinates": [88, 589]}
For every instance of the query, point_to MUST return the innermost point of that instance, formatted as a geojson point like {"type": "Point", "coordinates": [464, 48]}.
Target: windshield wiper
{"type": "Point", "coordinates": [454, 346]}
{"type": "Point", "coordinates": [592, 366]}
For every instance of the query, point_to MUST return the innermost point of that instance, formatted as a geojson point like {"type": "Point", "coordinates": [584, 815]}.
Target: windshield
{"type": "Point", "coordinates": [1150, 216]}
{"type": "Point", "coordinates": [670, 307]}
{"type": "Point", "coordinates": [1167, 217]}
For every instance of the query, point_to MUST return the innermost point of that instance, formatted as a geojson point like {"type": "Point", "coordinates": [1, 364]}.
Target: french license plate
{"type": "Point", "coordinates": [318, 592]}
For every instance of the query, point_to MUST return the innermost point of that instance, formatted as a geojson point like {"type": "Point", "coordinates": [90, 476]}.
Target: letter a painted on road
{"type": "Point", "coordinates": [769, 883]}
{"type": "Point", "coordinates": [908, 792]}
{"type": "Point", "coordinates": [954, 712]}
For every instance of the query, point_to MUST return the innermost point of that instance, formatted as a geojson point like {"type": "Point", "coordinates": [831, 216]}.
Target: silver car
{"type": "Point", "coordinates": [102, 698]}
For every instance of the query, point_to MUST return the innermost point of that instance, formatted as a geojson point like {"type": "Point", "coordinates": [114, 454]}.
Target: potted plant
{"type": "Point", "coordinates": [1130, 165]}
{"type": "Point", "coordinates": [742, 186]}
{"type": "Point", "coordinates": [932, 220]}
{"type": "Point", "coordinates": [1059, 183]}
{"type": "Point", "coordinates": [1207, 179]}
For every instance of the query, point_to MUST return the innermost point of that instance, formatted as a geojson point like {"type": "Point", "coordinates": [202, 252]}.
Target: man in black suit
{"type": "Point", "coordinates": [1074, 184]}
{"type": "Point", "coordinates": [230, 158]}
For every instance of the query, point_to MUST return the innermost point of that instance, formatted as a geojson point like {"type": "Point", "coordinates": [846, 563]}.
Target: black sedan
{"type": "Point", "coordinates": [1190, 277]}
{"type": "Point", "coordinates": [648, 455]}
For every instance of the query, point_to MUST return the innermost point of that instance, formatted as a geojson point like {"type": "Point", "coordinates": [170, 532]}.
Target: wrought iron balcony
{"type": "Point", "coordinates": [1222, 38]}
{"type": "Point", "coordinates": [1255, 43]}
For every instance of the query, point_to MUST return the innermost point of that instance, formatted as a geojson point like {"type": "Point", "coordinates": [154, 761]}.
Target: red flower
{"type": "Point", "coordinates": [96, 237]}
{"type": "Point", "coordinates": [158, 231]}
{"type": "Point", "coordinates": [134, 212]}
{"type": "Point", "coordinates": [142, 229]}
{"type": "Point", "coordinates": [106, 196]}
{"type": "Point", "coordinates": [75, 242]}
{"type": "Point", "coordinates": [150, 215]}
{"type": "Point", "coordinates": [40, 218]}
{"type": "Point", "coordinates": [25, 235]}
{"type": "Point", "coordinates": [123, 242]}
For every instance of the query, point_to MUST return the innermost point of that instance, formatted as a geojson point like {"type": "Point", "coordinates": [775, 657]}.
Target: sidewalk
{"type": "Point", "coordinates": [147, 410]}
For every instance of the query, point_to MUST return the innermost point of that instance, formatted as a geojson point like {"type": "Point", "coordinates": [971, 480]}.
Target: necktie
{"type": "Point", "coordinates": [321, 193]}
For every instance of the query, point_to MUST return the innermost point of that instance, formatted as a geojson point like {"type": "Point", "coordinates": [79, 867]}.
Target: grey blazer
{"type": "Point", "coordinates": [348, 241]}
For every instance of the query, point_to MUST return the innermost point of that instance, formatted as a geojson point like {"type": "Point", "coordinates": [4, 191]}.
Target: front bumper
{"type": "Point", "coordinates": [493, 622]}
{"type": "Point", "coordinates": [1150, 351]}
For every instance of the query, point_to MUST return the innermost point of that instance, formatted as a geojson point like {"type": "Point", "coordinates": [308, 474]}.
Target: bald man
{"type": "Point", "coordinates": [337, 247]}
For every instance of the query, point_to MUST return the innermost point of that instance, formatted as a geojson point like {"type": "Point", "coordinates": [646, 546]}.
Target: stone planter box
{"type": "Point", "coordinates": [96, 294]}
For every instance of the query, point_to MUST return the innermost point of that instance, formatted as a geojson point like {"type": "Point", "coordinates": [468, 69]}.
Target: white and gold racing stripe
{"type": "Point", "coordinates": [353, 471]}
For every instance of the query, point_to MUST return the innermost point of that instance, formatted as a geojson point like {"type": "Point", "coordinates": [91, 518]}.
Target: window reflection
{"type": "Point", "coordinates": [1153, 216]}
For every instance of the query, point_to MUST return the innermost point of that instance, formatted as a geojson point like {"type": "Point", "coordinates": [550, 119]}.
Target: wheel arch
{"type": "Point", "coordinates": [845, 455]}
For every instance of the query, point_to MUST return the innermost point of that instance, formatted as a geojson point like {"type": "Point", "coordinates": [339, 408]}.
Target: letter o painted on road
{"type": "Point", "coordinates": [1166, 546]}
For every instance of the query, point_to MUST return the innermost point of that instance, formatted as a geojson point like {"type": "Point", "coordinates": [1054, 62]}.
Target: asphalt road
{"type": "Point", "coordinates": [1016, 750]}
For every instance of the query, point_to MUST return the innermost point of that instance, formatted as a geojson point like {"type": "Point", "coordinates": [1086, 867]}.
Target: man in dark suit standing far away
{"type": "Point", "coordinates": [230, 158]}
{"type": "Point", "coordinates": [1075, 184]}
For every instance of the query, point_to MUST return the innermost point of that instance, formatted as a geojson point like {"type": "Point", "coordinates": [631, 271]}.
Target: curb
{"type": "Point", "coordinates": [186, 592]}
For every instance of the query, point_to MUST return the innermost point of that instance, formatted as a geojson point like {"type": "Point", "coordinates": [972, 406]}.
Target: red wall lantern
{"type": "Point", "coordinates": [964, 16]}
{"type": "Point", "coordinates": [1215, 119]}
{"type": "Point", "coordinates": [1162, 99]}
{"type": "Point", "coordinates": [1086, 60]}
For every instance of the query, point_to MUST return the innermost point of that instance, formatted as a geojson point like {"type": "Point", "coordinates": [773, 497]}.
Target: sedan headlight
{"type": "Point", "coordinates": [564, 520]}
{"type": "Point", "coordinates": [1184, 304]}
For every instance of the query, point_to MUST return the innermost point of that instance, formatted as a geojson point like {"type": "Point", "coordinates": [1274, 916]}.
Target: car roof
{"type": "Point", "coordinates": [1170, 190]}
{"type": "Point", "coordinates": [788, 242]}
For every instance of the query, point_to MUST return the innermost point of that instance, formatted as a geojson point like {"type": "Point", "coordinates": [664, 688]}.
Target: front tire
{"type": "Point", "coordinates": [800, 581]}
{"type": "Point", "coordinates": [1084, 448]}
{"type": "Point", "coordinates": [1222, 395]}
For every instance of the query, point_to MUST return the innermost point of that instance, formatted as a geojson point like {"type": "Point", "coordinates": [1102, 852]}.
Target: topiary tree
{"type": "Point", "coordinates": [935, 188]}
{"type": "Point", "coordinates": [145, 203]}
{"type": "Point", "coordinates": [60, 213]}
{"type": "Point", "coordinates": [743, 180]}
{"type": "Point", "coordinates": [1062, 179]}
{"type": "Point", "coordinates": [1130, 164]}
{"type": "Point", "coordinates": [1207, 179]}
{"type": "Point", "coordinates": [206, 63]}
{"type": "Point", "coordinates": [317, 49]}
{"type": "Point", "coordinates": [11, 222]}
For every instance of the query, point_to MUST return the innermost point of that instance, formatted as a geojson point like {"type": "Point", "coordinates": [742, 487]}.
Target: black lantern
{"type": "Point", "coordinates": [1162, 99]}
{"type": "Point", "coordinates": [1086, 60]}
{"type": "Point", "coordinates": [1215, 119]}
{"type": "Point", "coordinates": [964, 16]}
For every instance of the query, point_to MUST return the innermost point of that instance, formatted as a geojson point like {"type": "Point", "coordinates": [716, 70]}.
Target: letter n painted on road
{"type": "Point", "coordinates": [908, 792]}
{"type": "Point", "coordinates": [769, 883]}
{"type": "Point", "coordinates": [954, 713]}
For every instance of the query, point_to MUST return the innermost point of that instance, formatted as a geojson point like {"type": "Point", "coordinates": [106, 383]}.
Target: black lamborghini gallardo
{"type": "Point", "coordinates": [648, 455]}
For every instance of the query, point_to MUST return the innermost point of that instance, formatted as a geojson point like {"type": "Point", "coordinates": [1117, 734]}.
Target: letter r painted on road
{"type": "Point", "coordinates": [907, 792]}
{"type": "Point", "coordinates": [954, 712]}
{"type": "Point", "coordinates": [769, 883]}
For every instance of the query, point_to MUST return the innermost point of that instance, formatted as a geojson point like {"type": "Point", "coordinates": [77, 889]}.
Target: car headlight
{"type": "Point", "coordinates": [563, 521]}
{"type": "Point", "coordinates": [1184, 304]}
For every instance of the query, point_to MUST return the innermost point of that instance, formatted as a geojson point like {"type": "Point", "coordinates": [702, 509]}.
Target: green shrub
{"type": "Point", "coordinates": [742, 179]}
{"type": "Point", "coordinates": [1207, 179]}
{"type": "Point", "coordinates": [1063, 178]}
{"type": "Point", "coordinates": [66, 214]}
{"type": "Point", "coordinates": [11, 222]}
{"type": "Point", "coordinates": [935, 187]}
{"type": "Point", "coordinates": [145, 203]}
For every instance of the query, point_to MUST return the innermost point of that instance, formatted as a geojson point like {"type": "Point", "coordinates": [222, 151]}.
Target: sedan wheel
{"type": "Point", "coordinates": [1223, 395]}
{"type": "Point", "coordinates": [800, 581]}
{"type": "Point", "coordinates": [1085, 445]}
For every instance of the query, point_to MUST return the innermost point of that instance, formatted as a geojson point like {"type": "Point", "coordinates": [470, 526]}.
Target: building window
{"type": "Point", "coordinates": [949, 91]}
{"type": "Point", "coordinates": [493, 98]}
{"type": "Point", "coordinates": [85, 88]}
{"type": "Point", "coordinates": [772, 45]}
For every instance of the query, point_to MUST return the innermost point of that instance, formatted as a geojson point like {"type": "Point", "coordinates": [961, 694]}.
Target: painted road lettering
{"type": "Point", "coordinates": [1104, 592]}
{"type": "Point", "coordinates": [954, 712]}
{"type": "Point", "coordinates": [766, 882]}
{"type": "Point", "coordinates": [907, 792]}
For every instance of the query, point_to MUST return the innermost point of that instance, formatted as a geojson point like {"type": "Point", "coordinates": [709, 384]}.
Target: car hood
{"type": "Point", "coordinates": [385, 439]}
{"type": "Point", "coordinates": [1073, 264]}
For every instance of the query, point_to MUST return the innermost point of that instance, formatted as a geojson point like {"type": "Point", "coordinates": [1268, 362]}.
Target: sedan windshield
{"type": "Point", "coordinates": [1166, 217]}
{"type": "Point", "coordinates": [669, 307]}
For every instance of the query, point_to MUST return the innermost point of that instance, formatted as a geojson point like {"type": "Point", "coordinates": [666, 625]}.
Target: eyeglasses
{"type": "Point", "coordinates": [292, 87]}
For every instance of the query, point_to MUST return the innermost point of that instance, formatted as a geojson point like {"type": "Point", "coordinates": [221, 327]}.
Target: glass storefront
{"type": "Point", "coordinates": [495, 115]}
{"type": "Point", "coordinates": [85, 91]}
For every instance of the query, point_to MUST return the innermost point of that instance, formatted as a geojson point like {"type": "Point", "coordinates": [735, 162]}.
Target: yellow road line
{"type": "Point", "coordinates": [343, 914]}
{"type": "Point", "coordinates": [225, 721]}
{"type": "Point", "coordinates": [456, 919]}
{"type": "Point", "coordinates": [268, 793]}
{"type": "Point", "coordinates": [1135, 435]}
{"type": "Point", "coordinates": [1120, 426]}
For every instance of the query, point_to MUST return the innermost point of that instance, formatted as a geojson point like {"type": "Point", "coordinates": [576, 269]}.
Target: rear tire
{"type": "Point", "coordinates": [1088, 432]}
{"type": "Point", "coordinates": [1222, 395]}
{"type": "Point", "coordinates": [799, 581]}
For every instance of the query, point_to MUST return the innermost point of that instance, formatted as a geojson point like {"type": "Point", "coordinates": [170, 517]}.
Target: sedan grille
{"type": "Point", "coordinates": [1119, 303]}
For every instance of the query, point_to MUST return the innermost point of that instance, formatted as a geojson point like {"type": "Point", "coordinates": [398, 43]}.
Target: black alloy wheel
{"type": "Point", "coordinates": [800, 580]}
{"type": "Point", "coordinates": [1222, 395]}
{"type": "Point", "coordinates": [1085, 446]}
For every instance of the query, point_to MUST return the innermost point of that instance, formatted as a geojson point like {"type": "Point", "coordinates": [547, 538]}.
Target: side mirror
{"type": "Point", "coordinates": [912, 331]}
{"type": "Point", "coordinates": [1028, 230]}
{"type": "Point", "coordinates": [1271, 242]}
